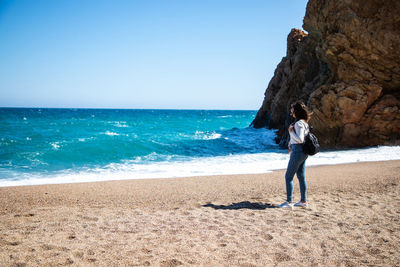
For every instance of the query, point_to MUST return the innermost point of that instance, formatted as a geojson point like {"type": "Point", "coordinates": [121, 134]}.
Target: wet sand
{"type": "Point", "coordinates": [353, 219]}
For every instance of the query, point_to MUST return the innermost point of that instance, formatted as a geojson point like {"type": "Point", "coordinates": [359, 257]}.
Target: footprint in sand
{"type": "Point", "coordinates": [147, 251]}
{"type": "Point", "coordinates": [18, 264]}
{"type": "Point", "coordinates": [71, 236]}
{"type": "Point", "coordinates": [47, 247]}
{"type": "Point", "coordinates": [280, 257]}
{"type": "Point", "coordinates": [78, 254]}
{"type": "Point", "coordinates": [87, 218]}
{"type": "Point", "coordinates": [10, 243]}
{"type": "Point", "coordinates": [268, 237]}
{"type": "Point", "coordinates": [170, 263]}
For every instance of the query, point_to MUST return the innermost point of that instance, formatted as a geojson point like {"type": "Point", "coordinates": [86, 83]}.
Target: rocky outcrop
{"type": "Point", "coordinates": [347, 71]}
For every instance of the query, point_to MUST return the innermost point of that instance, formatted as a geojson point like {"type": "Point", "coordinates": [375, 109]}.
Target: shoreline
{"type": "Point", "coordinates": [185, 177]}
{"type": "Point", "coordinates": [224, 220]}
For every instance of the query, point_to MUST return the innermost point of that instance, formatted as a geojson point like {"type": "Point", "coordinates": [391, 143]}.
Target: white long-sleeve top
{"type": "Point", "coordinates": [301, 129]}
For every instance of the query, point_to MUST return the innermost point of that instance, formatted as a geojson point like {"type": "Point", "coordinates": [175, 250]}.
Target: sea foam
{"type": "Point", "coordinates": [220, 165]}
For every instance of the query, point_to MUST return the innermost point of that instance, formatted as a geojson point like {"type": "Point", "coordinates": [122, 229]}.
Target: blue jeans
{"type": "Point", "coordinates": [297, 164]}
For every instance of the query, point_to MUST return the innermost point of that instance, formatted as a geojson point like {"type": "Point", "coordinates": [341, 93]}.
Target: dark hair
{"type": "Point", "coordinates": [300, 110]}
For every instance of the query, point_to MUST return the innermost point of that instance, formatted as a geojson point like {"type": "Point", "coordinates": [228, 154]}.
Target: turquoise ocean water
{"type": "Point", "coordinates": [60, 143]}
{"type": "Point", "coordinates": [45, 146]}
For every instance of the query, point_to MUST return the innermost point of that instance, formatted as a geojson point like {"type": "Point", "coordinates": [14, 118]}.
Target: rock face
{"type": "Point", "coordinates": [347, 71]}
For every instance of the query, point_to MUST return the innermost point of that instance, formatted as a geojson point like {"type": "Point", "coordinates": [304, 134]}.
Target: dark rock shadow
{"type": "Point", "coordinates": [241, 205]}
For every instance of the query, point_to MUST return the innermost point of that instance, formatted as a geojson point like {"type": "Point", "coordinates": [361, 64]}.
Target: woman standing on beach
{"type": "Point", "coordinates": [297, 131]}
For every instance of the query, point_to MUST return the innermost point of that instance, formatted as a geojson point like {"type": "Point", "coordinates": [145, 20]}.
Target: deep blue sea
{"type": "Point", "coordinates": [42, 146]}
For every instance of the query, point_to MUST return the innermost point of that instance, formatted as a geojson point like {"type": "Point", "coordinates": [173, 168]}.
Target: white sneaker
{"type": "Point", "coordinates": [301, 204]}
{"type": "Point", "coordinates": [285, 205]}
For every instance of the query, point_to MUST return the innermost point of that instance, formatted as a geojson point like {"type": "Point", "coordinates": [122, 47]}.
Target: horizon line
{"type": "Point", "coordinates": [211, 109]}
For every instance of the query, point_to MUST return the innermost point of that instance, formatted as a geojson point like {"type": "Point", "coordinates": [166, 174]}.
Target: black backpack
{"type": "Point", "coordinates": [311, 145]}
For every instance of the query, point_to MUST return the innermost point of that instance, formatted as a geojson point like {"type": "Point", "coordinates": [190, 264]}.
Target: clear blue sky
{"type": "Point", "coordinates": [189, 54]}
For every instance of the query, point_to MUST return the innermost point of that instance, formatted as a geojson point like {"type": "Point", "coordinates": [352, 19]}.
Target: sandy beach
{"type": "Point", "coordinates": [353, 219]}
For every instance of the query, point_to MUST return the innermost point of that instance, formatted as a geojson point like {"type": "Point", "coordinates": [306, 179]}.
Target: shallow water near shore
{"type": "Point", "coordinates": [46, 146]}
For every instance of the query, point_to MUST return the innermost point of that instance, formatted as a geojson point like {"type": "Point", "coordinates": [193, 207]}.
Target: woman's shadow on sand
{"type": "Point", "coordinates": [241, 205]}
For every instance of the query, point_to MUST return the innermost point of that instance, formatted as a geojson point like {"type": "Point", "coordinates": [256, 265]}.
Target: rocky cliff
{"type": "Point", "coordinates": [347, 71]}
